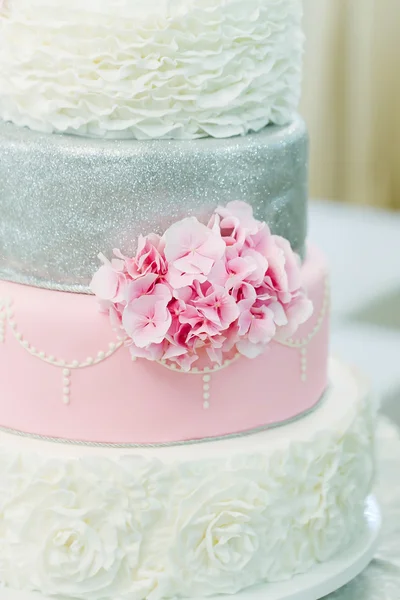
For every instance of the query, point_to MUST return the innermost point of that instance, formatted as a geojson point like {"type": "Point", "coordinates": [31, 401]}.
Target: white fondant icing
{"type": "Point", "coordinates": [90, 523]}
{"type": "Point", "coordinates": [160, 69]}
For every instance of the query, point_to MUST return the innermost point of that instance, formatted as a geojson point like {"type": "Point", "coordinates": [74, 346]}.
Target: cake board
{"type": "Point", "coordinates": [314, 585]}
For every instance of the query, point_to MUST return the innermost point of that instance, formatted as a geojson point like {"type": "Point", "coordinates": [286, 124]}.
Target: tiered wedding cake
{"type": "Point", "coordinates": [170, 425]}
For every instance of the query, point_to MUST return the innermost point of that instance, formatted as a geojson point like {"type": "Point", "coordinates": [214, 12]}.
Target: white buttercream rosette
{"type": "Point", "coordinates": [70, 535]}
{"type": "Point", "coordinates": [130, 527]}
{"type": "Point", "coordinates": [219, 534]}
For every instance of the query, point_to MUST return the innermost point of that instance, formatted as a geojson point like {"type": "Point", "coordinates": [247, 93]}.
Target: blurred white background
{"type": "Point", "coordinates": [351, 102]}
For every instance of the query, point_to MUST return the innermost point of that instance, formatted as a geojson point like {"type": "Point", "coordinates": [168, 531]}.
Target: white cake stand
{"type": "Point", "coordinates": [317, 583]}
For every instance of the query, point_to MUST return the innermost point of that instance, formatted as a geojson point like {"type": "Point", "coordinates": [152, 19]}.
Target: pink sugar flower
{"type": "Point", "coordinates": [284, 275]}
{"type": "Point", "coordinates": [217, 306]}
{"type": "Point", "coordinates": [151, 352]}
{"type": "Point", "coordinates": [232, 233]}
{"type": "Point", "coordinates": [255, 332]}
{"type": "Point", "coordinates": [115, 316]}
{"type": "Point", "coordinates": [191, 250]}
{"type": "Point", "coordinates": [109, 282]}
{"type": "Point", "coordinates": [205, 290]}
{"type": "Point", "coordinates": [240, 213]}
{"type": "Point", "coordinates": [231, 273]}
{"type": "Point", "coordinates": [297, 311]}
{"type": "Point", "coordinates": [260, 241]}
{"type": "Point", "coordinates": [147, 320]}
{"type": "Point", "coordinates": [149, 257]}
{"type": "Point", "coordinates": [259, 266]}
{"type": "Point", "coordinates": [215, 350]}
{"type": "Point", "coordinates": [140, 286]}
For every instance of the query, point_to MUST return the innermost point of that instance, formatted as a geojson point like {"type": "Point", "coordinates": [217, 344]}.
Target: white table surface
{"type": "Point", "coordinates": [363, 250]}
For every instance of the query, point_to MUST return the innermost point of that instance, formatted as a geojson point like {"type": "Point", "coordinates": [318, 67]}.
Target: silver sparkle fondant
{"type": "Point", "coordinates": [64, 199]}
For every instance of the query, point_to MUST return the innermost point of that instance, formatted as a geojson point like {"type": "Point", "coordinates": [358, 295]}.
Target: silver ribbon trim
{"type": "Point", "coordinates": [205, 440]}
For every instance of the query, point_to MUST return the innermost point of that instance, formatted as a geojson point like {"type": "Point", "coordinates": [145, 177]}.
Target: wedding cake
{"type": "Point", "coordinates": [171, 422]}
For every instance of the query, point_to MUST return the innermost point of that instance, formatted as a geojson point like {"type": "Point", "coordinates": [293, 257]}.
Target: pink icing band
{"type": "Point", "coordinates": [64, 375]}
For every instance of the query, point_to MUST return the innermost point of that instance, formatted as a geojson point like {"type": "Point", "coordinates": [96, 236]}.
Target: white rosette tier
{"type": "Point", "coordinates": [162, 69]}
{"type": "Point", "coordinates": [95, 523]}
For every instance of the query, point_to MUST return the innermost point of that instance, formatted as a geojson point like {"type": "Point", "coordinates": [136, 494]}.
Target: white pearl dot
{"type": "Point", "coordinates": [66, 372]}
{"type": "Point", "coordinates": [66, 399]}
{"type": "Point", "coordinates": [206, 369]}
{"type": "Point", "coordinates": [67, 381]}
{"type": "Point", "coordinates": [101, 355]}
{"type": "Point", "coordinates": [42, 355]}
{"type": "Point", "coordinates": [51, 358]}
{"type": "Point", "coordinates": [304, 377]}
{"type": "Point", "coordinates": [206, 396]}
{"type": "Point", "coordinates": [89, 360]}
{"type": "Point", "coordinates": [75, 363]}
{"type": "Point", "coordinates": [25, 344]}
{"type": "Point", "coordinates": [206, 387]}
{"type": "Point", "coordinates": [304, 351]}
{"type": "Point", "coordinates": [112, 346]}
{"type": "Point", "coordinates": [66, 391]}
{"type": "Point", "coordinates": [206, 405]}
{"type": "Point", "coordinates": [206, 378]}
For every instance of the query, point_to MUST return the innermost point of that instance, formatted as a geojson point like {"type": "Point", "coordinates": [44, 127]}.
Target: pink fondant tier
{"type": "Point", "coordinates": [64, 374]}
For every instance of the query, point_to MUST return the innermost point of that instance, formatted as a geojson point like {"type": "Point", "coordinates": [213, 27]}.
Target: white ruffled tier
{"type": "Point", "coordinates": [158, 69]}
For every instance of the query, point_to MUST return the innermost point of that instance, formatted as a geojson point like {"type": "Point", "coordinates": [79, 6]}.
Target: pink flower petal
{"type": "Point", "coordinates": [192, 248]}
{"type": "Point", "coordinates": [177, 279]}
{"type": "Point", "coordinates": [250, 350]}
{"type": "Point", "coordinates": [108, 284]}
{"type": "Point", "coordinates": [140, 286]}
{"type": "Point", "coordinates": [262, 328]}
{"type": "Point", "coordinates": [146, 321]}
{"type": "Point", "coordinates": [153, 352]}
{"type": "Point", "coordinates": [243, 212]}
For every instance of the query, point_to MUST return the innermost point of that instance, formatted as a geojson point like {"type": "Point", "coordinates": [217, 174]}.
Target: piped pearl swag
{"type": "Point", "coordinates": [68, 367]}
{"type": "Point", "coordinates": [302, 343]}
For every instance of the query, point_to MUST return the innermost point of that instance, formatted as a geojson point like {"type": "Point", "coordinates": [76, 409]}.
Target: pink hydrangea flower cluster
{"type": "Point", "coordinates": [205, 289]}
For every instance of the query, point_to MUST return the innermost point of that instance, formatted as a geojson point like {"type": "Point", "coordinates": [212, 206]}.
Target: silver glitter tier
{"type": "Point", "coordinates": [65, 199]}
